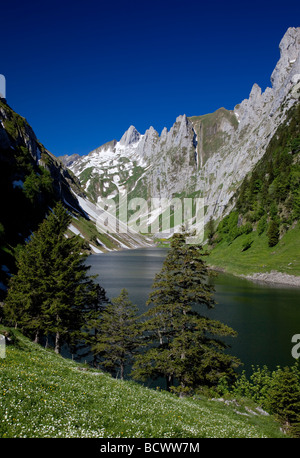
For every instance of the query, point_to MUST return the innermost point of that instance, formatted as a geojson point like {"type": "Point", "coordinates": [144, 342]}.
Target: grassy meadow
{"type": "Point", "coordinates": [43, 395]}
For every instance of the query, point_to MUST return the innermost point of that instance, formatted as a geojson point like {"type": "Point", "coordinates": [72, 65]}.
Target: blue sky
{"type": "Point", "coordinates": [81, 72]}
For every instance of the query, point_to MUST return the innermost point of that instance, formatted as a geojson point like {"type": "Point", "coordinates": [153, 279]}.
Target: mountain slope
{"type": "Point", "coordinates": [31, 181]}
{"type": "Point", "coordinates": [201, 156]}
{"type": "Point", "coordinates": [261, 233]}
{"type": "Point", "coordinates": [45, 395]}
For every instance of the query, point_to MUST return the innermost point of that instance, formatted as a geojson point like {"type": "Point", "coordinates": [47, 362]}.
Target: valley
{"type": "Point", "coordinates": [224, 158]}
{"type": "Point", "coordinates": [115, 210]}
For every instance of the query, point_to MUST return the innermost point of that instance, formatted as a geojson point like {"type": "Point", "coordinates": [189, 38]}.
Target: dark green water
{"type": "Point", "coordinates": [265, 317]}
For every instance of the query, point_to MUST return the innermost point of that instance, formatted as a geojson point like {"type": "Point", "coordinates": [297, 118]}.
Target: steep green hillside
{"type": "Point", "coordinates": [272, 190]}
{"type": "Point", "coordinates": [32, 180]}
{"type": "Point", "coordinates": [45, 395]}
{"type": "Point", "coordinates": [261, 233]}
{"type": "Point", "coordinates": [235, 258]}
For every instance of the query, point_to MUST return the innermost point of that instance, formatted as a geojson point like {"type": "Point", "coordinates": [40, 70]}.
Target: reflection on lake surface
{"type": "Point", "coordinates": [265, 316]}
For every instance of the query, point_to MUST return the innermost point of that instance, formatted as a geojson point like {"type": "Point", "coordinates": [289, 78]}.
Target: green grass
{"type": "Point", "coordinates": [86, 175]}
{"type": "Point", "coordinates": [45, 395]}
{"type": "Point", "coordinates": [284, 257]}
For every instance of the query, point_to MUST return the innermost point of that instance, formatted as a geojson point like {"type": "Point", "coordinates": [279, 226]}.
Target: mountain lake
{"type": "Point", "coordinates": [265, 316]}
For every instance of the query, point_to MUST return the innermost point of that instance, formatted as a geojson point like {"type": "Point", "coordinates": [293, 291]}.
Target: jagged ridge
{"type": "Point", "coordinates": [206, 155]}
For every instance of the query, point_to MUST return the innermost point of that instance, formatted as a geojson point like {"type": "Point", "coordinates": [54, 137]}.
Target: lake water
{"type": "Point", "coordinates": [265, 316]}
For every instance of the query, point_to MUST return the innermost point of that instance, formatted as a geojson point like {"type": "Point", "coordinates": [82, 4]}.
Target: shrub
{"type": "Point", "coordinates": [284, 398]}
{"type": "Point", "coordinates": [247, 228]}
{"type": "Point", "coordinates": [256, 387]}
{"type": "Point", "coordinates": [262, 225]}
{"type": "Point", "coordinates": [276, 391]}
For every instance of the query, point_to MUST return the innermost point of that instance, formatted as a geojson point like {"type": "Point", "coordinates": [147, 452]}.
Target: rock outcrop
{"type": "Point", "coordinates": [258, 118]}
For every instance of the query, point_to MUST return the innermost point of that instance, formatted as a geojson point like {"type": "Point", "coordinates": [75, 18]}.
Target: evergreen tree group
{"type": "Point", "coordinates": [184, 345]}
{"type": "Point", "coordinates": [52, 296]}
{"type": "Point", "coordinates": [52, 291]}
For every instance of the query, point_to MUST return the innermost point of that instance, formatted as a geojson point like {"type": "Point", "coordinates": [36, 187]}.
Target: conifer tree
{"type": "Point", "coordinates": [51, 288]}
{"type": "Point", "coordinates": [92, 326]}
{"type": "Point", "coordinates": [118, 334]}
{"type": "Point", "coordinates": [184, 345]}
{"type": "Point", "coordinates": [273, 233]}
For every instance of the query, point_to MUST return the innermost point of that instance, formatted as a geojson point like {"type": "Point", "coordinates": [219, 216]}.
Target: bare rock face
{"type": "Point", "coordinates": [289, 55]}
{"type": "Point", "coordinates": [130, 136]}
{"type": "Point", "coordinates": [207, 155]}
{"type": "Point", "coordinates": [68, 160]}
{"type": "Point", "coordinates": [149, 144]}
{"type": "Point", "coordinates": [258, 118]}
{"type": "Point", "coordinates": [174, 160]}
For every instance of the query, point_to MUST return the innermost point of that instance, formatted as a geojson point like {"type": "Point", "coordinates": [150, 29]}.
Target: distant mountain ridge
{"type": "Point", "coordinates": [206, 156]}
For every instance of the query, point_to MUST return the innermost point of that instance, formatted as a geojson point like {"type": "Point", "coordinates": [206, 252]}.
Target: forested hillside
{"type": "Point", "coordinates": [265, 216]}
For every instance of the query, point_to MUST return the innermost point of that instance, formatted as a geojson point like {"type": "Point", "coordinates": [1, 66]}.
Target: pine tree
{"type": "Point", "coordinates": [117, 339]}
{"type": "Point", "coordinates": [49, 292]}
{"type": "Point", "coordinates": [92, 326]}
{"type": "Point", "coordinates": [184, 345]}
{"type": "Point", "coordinates": [273, 233]}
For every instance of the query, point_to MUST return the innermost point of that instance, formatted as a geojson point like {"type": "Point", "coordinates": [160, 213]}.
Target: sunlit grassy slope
{"type": "Point", "coordinates": [45, 395]}
{"type": "Point", "coordinates": [284, 257]}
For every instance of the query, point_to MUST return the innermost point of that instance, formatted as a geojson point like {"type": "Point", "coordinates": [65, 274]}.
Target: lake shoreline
{"type": "Point", "coordinates": [274, 277]}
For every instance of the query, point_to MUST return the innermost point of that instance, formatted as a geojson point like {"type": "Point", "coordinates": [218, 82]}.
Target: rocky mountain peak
{"type": "Point", "coordinates": [255, 92]}
{"type": "Point", "coordinates": [181, 119]}
{"type": "Point", "coordinates": [284, 78]}
{"type": "Point", "coordinates": [289, 56]}
{"type": "Point", "coordinates": [182, 132]}
{"type": "Point", "coordinates": [130, 136]}
{"type": "Point", "coordinates": [290, 43]}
